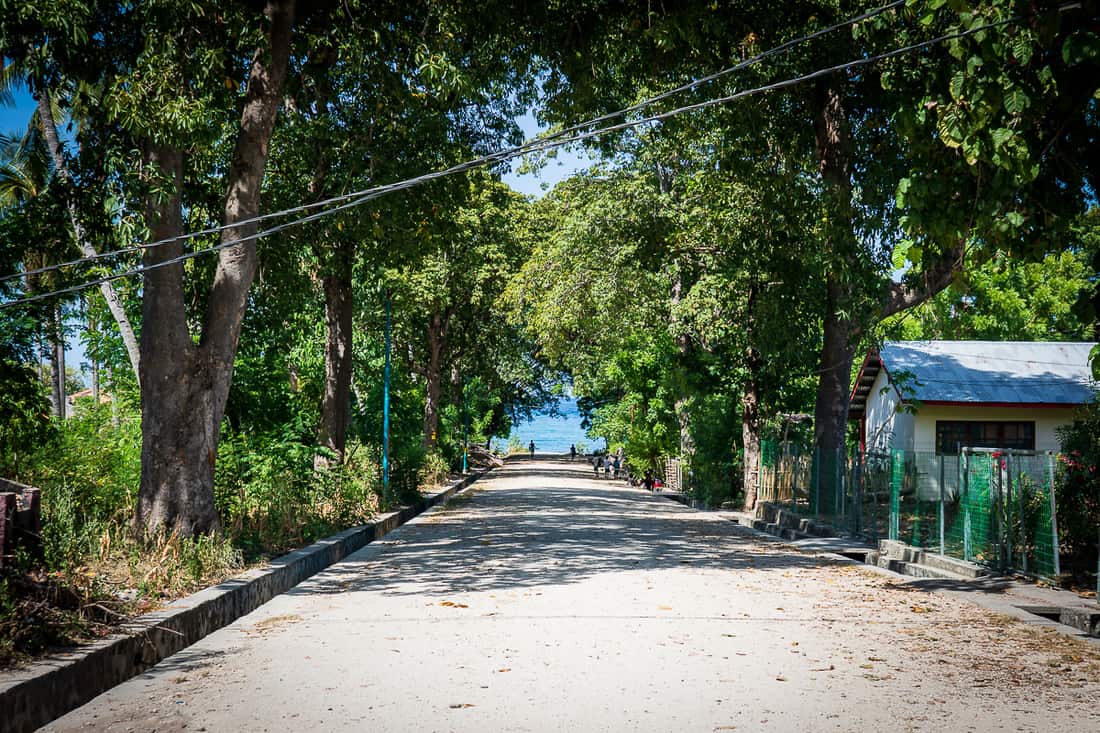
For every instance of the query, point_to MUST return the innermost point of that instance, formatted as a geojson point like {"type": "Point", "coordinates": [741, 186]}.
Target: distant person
{"type": "Point", "coordinates": [596, 463]}
{"type": "Point", "coordinates": [647, 482]}
{"type": "Point", "coordinates": [572, 453]}
{"type": "Point", "coordinates": [607, 466]}
{"type": "Point", "coordinates": [531, 448]}
{"type": "Point", "coordinates": [618, 465]}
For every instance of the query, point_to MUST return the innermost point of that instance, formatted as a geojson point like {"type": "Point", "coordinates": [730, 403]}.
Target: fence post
{"type": "Point", "coordinates": [857, 492]}
{"type": "Point", "coordinates": [1022, 537]}
{"type": "Point", "coordinates": [895, 494]}
{"type": "Point", "coordinates": [838, 488]}
{"type": "Point", "coordinates": [817, 483]}
{"type": "Point", "coordinates": [7, 514]}
{"type": "Point", "coordinates": [32, 532]}
{"type": "Point", "coordinates": [965, 495]}
{"type": "Point", "coordinates": [1054, 521]}
{"type": "Point", "coordinates": [943, 545]}
{"type": "Point", "coordinates": [1004, 516]}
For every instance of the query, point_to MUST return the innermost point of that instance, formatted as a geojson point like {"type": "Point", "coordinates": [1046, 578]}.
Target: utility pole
{"type": "Point", "coordinates": [465, 425]}
{"type": "Point", "coordinates": [386, 409]}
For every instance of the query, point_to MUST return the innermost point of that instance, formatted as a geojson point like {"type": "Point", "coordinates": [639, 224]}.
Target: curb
{"type": "Point", "coordinates": [33, 696]}
{"type": "Point", "coordinates": [1076, 622]}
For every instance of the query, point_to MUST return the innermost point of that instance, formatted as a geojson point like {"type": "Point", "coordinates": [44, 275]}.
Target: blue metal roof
{"type": "Point", "coordinates": [1026, 372]}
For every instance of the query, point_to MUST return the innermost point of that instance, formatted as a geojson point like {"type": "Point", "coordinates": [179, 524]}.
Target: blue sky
{"type": "Point", "coordinates": [15, 119]}
{"type": "Point", "coordinates": [562, 166]}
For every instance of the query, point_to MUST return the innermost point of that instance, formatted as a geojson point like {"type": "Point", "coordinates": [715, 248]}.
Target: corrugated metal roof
{"type": "Point", "coordinates": [1028, 372]}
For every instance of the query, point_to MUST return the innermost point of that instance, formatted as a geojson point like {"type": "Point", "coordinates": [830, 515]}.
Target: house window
{"type": "Point", "coordinates": [950, 434]}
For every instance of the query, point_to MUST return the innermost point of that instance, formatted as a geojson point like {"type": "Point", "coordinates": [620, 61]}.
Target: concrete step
{"type": "Point", "coordinates": [901, 552]}
{"type": "Point", "coordinates": [914, 570]}
{"type": "Point", "coordinates": [951, 565]}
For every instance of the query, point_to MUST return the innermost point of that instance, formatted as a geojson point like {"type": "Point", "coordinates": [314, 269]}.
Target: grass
{"type": "Point", "coordinates": [44, 610]}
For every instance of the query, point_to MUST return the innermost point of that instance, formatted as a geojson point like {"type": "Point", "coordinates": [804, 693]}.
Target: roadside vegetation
{"type": "Point", "coordinates": [706, 285]}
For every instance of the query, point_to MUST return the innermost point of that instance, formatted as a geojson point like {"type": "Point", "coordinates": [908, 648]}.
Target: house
{"type": "Point", "coordinates": [104, 398]}
{"type": "Point", "coordinates": [935, 396]}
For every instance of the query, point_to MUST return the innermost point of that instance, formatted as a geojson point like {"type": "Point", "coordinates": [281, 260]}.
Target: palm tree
{"type": "Point", "coordinates": [45, 148]}
{"type": "Point", "coordinates": [26, 173]}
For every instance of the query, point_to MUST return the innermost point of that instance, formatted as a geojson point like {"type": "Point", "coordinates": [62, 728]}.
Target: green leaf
{"type": "Point", "coordinates": [1001, 136]}
{"type": "Point", "coordinates": [956, 85]}
{"type": "Point", "coordinates": [1094, 361]}
{"type": "Point", "coordinates": [1022, 49]}
{"type": "Point", "coordinates": [1016, 102]}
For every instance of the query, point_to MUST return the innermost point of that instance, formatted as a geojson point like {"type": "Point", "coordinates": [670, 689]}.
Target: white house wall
{"type": "Point", "coordinates": [1047, 420]}
{"type": "Point", "coordinates": [886, 428]}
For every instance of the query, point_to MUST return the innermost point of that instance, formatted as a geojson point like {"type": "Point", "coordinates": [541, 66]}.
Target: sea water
{"type": "Point", "coordinates": [553, 433]}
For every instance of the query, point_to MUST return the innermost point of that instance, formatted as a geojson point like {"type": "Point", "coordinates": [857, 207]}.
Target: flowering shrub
{"type": "Point", "coordinates": [1078, 485]}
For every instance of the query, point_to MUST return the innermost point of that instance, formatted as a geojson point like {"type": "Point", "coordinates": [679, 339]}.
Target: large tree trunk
{"type": "Point", "coordinates": [114, 303]}
{"type": "Point", "coordinates": [57, 361]}
{"type": "Point", "coordinates": [437, 334]}
{"type": "Point", "coordinates": [750, 406]}
{"type": "Point", "coordinates": [332, 431]}
{"type": "Point", "coordinates": [750, 443]}
{"type": "Point", "coordinates": [337, 258]}
{"type": "Point", "coordinates": [178, 447]}
{"type": "Point", "coordinates": [833, 144]}
{"type": "Point", "coordinates": [185, 385]}
{"type": "Point", "coordinates": [681, 406]}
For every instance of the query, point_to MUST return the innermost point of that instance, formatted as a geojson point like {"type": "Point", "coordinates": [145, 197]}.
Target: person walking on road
{"type": "Point", "coordinates": [531, 447]}
{"type": "Point", "coordinates": [572, 453]}
{"type": "Point", "coordinates": [597, 461]}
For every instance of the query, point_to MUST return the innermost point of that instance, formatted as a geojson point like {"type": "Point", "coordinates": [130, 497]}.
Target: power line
{"type": "Point", "coordinates": [507, 154]}
{"type": "Point", "coordinates": [527, 147]}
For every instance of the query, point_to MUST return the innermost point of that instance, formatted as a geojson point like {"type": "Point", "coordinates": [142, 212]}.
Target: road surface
{"type": "Point", "coordinates": [544, 600]}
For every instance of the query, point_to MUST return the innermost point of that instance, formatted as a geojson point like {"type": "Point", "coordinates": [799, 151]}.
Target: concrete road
{"type": "Point", "coordinates": [543, 600]}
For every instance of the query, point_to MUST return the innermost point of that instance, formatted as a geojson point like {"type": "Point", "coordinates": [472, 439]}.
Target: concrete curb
{"type": "Point", "coordinates": [1076, 620]}
{"type": "Point", "coordinates": [33, 696]}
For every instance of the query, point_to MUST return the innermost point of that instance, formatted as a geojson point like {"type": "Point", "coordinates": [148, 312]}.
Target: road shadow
{"type": "Point", "coordinates": [552, 529]}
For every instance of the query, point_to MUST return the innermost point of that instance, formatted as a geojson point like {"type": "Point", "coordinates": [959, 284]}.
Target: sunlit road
{"type": "Point", "coordinates": [543, 600]}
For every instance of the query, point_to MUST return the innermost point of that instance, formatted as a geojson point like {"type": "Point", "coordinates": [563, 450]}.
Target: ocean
{"type": "Point", "coordinates": [553, 434]}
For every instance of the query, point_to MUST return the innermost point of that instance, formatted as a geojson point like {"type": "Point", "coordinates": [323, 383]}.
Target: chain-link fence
{"type": "Point", "coordinates": [994, 507]}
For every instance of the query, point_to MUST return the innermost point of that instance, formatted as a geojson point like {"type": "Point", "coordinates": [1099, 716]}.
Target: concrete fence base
{"type": "Point", "coordinates": [32, 696]}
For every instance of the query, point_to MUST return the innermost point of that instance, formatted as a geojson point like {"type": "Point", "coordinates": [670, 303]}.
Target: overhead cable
{"type": "Point", "coordinates": [525, 148]}
{"type": "Point", "coordinates": [507, 154]}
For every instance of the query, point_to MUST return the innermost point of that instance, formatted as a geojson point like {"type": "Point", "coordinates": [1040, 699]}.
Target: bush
{"type": "Point", "coordinates": [1078, 492]}
{"type": "Point", "coordinates": [271, 497]}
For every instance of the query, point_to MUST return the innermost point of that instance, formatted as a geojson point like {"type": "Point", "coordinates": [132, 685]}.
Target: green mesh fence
{"type": "Point", "coordinates": [969, 516]}
{"type": "Point", "coordinates": [1031, 546]}
{"type": "Point", "coordinates": [991, 507]}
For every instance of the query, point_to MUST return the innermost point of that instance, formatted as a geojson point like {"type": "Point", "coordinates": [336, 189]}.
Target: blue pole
{"type": "Point", "coordinates": [386, 409]}
{"type": "Point", "coordinates": [465, 426]}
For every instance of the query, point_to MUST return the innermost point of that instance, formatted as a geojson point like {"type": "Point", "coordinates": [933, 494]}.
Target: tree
{"type": "Point", "coordinates": [26, 175]}
{"type": "Point", "coordinates": [185, 384]}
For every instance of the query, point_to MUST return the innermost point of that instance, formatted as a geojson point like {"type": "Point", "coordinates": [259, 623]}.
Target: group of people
{"type": "Point", "coordinates": [611, 465]}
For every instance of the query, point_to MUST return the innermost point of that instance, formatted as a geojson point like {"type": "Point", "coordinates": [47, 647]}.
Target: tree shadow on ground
{"type": "Point", "coordinates": [562, 527]}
